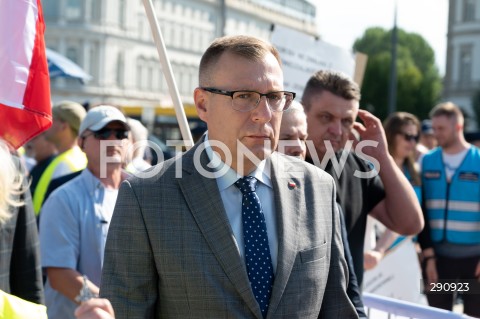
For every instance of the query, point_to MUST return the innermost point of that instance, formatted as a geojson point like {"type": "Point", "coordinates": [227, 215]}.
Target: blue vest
{"type": "Point", "coordinates": [453, 209]}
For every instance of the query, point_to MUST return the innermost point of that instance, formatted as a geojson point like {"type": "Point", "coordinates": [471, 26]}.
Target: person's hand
{"type": "Point", "coordinates": [431, 271]}
{"type": "Point", "coordinates": [96, 308]}
{"type": "Point", "coordinates": [372, 130]}
{"type": "Point", "coordinates": [371, 259]}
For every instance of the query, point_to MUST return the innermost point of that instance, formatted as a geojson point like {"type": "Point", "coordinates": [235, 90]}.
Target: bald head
{"type": "Point", "coordinates": [293, 131]}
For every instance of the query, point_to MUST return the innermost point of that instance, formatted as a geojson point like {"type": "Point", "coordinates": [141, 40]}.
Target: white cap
{"type": "Point", "coordinates": [99, 116]}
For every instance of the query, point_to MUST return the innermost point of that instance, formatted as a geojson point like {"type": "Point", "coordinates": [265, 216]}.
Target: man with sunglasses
{"type": "Point", "coordinates": [76, 216]}
{"type": "Point", "coordinates": [231, 229]}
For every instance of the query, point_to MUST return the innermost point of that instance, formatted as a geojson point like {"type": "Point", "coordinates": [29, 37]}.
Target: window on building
{"type": "Point", "coordinates": [72, 54]}
{"type": "Point", "coordinates": [138, 74]}
{"type": "Point", "coordinates": [143, 73]}
{"type": "Point", "coordinates": [176, 75]}
{"type": "Point", "coordinates": [53, 45]}
{"type": "Point", "coordinates": [160, 80]}
{"type": "Point", "coordinates": [192, 79]}
{"type": "Point", "coordinates": [205, 39]}
{"type": "Point", "coordinates": [141, 26]}
{"type": "Point", "coordinates": [168, 33]}
{"type": "Point", "coordinates": [157, 5]}
{"type": "Point", "coordinates": [178, 10]}
{"type": "Point", "coordinates": [155, 83]}
{"type": "Point", "coordinates": [150, 76]}
{"type": "Point", "coordinates": [465, 70]}
{"type": "Point", "coordinates": [94, 59]}
{"type": "Point", "coordinates": [121, 69]}
{"type": "Point", "coordinates": [163, 82]}
{"type": "Point", "coordinates": [469, 10]}
{"type": "Point", "coordinates": [50, 10]}
{"type": "Point", "coordinates": [168, 7]}
{"type": "Point", "coordinates": [73, 10]}
{"type": "Point", "coordinates": [95, 10]}
{"type": "Point", "coordinates": [122, 11]}
{"type": "Point", "coordinates": [177, 34]}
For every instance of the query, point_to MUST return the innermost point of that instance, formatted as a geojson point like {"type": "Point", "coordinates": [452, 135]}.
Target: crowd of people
{"type": "Point", "coordinates": [264, 217]}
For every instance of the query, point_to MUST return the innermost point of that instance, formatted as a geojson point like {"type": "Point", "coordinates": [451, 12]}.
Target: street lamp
{"type": "Point", "coordinates": [392, 89]}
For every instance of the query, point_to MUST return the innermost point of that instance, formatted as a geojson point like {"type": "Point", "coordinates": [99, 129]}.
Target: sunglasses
{"type": "Point", "coordinates": [410, 137]}
{"type": "Point", "coordinates": [104, 134]}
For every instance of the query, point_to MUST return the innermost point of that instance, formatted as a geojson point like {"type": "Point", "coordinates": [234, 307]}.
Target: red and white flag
{"type": "Point", "coordinates": [25, 106]}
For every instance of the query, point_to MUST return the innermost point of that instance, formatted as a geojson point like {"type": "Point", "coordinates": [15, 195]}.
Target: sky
{"type": "Point", "coordinates": [341, 22]}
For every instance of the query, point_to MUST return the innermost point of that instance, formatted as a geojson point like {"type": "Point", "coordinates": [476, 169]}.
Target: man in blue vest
{"type": "Point", "coordinates": [450, 240]}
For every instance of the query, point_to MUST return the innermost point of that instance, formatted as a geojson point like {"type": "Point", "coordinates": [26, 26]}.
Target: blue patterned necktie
{"type": "Point", "coordinates": [257, 251]}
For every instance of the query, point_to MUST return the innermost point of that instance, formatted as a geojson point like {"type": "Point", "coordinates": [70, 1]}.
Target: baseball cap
{"type": "Point", "coordinates": [70, 112]}
{"type": "Point", "coordinates": [99, 116]}
{"type": "Point", "coordinates": [427, 127]}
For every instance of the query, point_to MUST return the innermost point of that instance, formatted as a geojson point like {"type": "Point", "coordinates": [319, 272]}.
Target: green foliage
{"type": "Point", "coordinates": [418, 81]}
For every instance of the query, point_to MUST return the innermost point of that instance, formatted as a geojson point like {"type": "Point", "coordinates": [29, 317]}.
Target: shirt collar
{"type": "Point", "coordinates": [226, 176]}
{"type": "Point", "coordinates": [91, 181]}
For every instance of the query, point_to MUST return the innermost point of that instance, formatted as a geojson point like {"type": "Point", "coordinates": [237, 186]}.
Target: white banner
{"type": "Point", "coordinates": [397, 275]}
{"type": "Point", "coordinates": [302, 55]}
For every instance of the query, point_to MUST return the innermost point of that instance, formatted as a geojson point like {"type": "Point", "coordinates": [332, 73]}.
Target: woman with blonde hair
{"type": "Point", "coordinates": [20, 270]}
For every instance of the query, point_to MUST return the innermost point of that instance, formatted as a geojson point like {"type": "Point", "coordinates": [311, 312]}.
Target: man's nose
{"type": "Point", "coordinates": [262, 112]}
{"type": "Point", "coordinates": [335, 127]}
{"type": "Point", "coordinates": [296, 148]}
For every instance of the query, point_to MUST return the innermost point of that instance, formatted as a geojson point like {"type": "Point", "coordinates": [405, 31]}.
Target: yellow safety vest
{"type": "Point", "coordinates": [74, 158]}
{"type": "Point", "coordinates": [12, 307]}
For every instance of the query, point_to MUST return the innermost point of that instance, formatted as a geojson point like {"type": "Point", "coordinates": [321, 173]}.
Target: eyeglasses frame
{"type": "Point", "coordinates": [410, 137]}
{"type": "Point", "coordinates": [231, 93]}
{"type": "Point", "coordinates": [116, 132]}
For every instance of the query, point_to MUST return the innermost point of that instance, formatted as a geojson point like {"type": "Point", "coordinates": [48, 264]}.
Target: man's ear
{"type": "Point", "coordinates": [80, 142]}
{"type": "Point", "coordinates": [200, 98]}
{"type": "Point", "coordinates": [64, 125]}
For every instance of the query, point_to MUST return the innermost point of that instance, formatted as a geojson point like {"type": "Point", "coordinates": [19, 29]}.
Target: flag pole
{"type": "Point", "coordinates": [167, 71]}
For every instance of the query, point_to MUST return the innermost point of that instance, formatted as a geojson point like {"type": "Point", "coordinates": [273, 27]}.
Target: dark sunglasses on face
{"type": "Point", "coordinates": [410, 137]}
{"type": "Point", "coordinates": [104, 134]}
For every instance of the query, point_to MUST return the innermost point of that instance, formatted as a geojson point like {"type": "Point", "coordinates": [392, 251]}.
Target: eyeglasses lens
{"type": "Point", "coordinates": [106, 133]}
{"type": "Point", "coordinates": [247, 101]}
{"type": "Point", "coordinates": [410, 137]}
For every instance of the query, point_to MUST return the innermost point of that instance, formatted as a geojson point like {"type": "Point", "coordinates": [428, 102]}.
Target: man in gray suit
{"type": "Point", "coordinates": [179, 243]}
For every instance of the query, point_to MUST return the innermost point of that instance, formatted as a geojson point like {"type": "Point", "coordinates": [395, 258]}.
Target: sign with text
{"type": "Point", "coordinates": [302, 55]}
{"type": "Point", "coordinates": [397, 275]}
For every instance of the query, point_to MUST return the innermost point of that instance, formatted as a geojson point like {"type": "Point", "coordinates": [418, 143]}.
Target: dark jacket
{"type": "Point", "coordinates": [20, 268]}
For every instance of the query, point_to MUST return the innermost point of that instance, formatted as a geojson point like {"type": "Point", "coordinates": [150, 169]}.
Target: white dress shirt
{"type": "Point", "coordinates": [232, 200]}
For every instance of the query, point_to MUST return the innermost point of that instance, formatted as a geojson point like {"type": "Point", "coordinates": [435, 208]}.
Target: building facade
{"type": "Point", "coordinates": [112, 41]}
{"type": "Point", "coordinates": [462, 78]}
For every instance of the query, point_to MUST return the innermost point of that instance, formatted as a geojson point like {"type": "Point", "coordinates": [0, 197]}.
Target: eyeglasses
{"type": "Point", "coordinates": [410, 137]}
{"type": "Point", "coordinates": [245, 101]}
{"type": "Point", "coordinates": [105, 133]}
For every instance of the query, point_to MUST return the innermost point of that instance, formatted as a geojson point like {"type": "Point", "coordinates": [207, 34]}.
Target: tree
{"type": "Point", "coordinates": [418, 81]}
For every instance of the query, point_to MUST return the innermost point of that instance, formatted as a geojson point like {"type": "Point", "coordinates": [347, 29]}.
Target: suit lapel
{"type": "Point", "coordinates": [287, 197]}
{"type": "Point", "coordinates": [209, 213]}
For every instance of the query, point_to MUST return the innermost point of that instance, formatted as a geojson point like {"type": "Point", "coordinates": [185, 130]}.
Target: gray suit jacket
{"type": "Point", "coordinates": [171, 253]}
